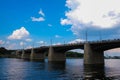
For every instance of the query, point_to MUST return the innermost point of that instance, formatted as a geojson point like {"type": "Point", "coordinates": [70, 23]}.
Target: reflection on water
{"type": "Point", "coordinates": [72, 69]}
{"type": "Point", "coordinates": [56, 66]}
{"type": "Point", "coordinates": [94, 71]}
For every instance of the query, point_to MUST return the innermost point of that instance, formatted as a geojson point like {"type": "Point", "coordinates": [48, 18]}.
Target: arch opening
{"type": "Point", "coordinates": [112, 53]}
{"type": "Point", "coordinates": [74, 53]}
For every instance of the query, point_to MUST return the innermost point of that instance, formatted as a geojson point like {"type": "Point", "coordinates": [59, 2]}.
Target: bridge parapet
{"type": "Point", "coordinates": [104, 41]}
{"type": "Point", "coordinates": [105, 45]}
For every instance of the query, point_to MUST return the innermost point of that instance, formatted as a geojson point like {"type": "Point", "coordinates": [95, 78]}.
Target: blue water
{"type": "Point", "coordinates": [73, 69]}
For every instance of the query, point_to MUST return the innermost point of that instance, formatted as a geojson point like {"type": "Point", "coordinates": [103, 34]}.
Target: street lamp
{"type": "Point", "coordinates": [100, 35]}
{"type": "Point", "coordinates": [51, 42]}
{"type": "Point", "coordinates": [86, 35]}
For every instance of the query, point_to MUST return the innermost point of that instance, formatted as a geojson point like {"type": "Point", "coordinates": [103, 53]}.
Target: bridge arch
{"type": "Point", "coordinates": [112, 52]}
{"type": "Point", "coordinates": [77, 53]}
{"type": "Point", "coordinates": [57, 53]}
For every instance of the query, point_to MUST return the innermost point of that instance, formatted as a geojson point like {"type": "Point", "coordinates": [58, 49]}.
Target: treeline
{"type": "Point", "coordinates": [71, 54]}
{"type": "Point", "coordinates": [112, 57]}
{"type": "Point", "coordinates": [6, 53]}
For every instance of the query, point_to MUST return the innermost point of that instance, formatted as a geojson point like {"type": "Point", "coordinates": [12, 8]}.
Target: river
{"type": "Point", "coordinates": [73, 69]}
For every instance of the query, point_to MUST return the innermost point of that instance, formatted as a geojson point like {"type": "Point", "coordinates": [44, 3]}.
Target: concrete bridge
{"type": "Point", "coordinates": [93, 51]}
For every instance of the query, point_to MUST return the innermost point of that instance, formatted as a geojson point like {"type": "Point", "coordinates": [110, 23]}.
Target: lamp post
{"type": "Point", "coordinates": [86, 35]}
{"type": "Point", "coordinates": [100, 36]}
{"type": "Point", "coordinates": [51, 42]}
{"type": "Point", "coordinates": [22, 45]}
{"type": "Point", "coordinates": [33, 45]}
{"type": "Point", "coordinates": [64, 42]}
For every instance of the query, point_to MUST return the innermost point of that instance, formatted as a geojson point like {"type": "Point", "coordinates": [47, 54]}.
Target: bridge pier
{"type": "Point", "coordinates": [25, 55]}
{"type": "Point", "coordinates": [37, 56]}
{"type": "Point", "coordinates": [91, 56]}
{"type": "Point", "coordinates": [18, 55]}
{"type": "Point", "coordinates": [54, 56]}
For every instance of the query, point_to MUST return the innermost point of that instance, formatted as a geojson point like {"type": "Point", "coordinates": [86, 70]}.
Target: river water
{"type": "Point", "coordinates": [73, 69]}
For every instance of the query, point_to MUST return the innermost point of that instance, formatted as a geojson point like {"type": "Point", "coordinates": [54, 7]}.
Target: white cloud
{"type": "Point", "coordinates": [41, 13]}
{"type": "Point", "coordinates": [29, 47]}
{"type": "Point", "coordinates": [19, 34]}
{"type": "Point", "coordinates": [49, 25]}
{"type": "Point", "coordinates": [112, 52]}
{"type": "Point", "coordinates": [42, 43]}
{"type": "Point", "coordinates": [57, 43]}
{"type": "Point", "coordinates": [65, 21]}
{"type": "Point", "coordinates": [7, 42]}
{"type": "Point", "coordinates": [37, 19]}
{"type": "Point", "coordinates": [78, 50]}
{"type": "Point", "coordinates": [2, 42]}
{"type": "Point", "coordinates": [22, 43]}
{"type": "Point", "coordinates": [57, 36]}
{"type": "Point", "coordinates": [76, 41]}
{"type": "Point", "coordinates": [91, 13]}
{"type": "Point", "coordinates": [11, 46]}
{"type": "Point", "coordinates": [117, 50]}
{"type": "Point", "coordinates": [28, 40]}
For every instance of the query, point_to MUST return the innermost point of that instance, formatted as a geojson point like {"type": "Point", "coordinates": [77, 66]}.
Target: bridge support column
{"type": "Point", "coordinates": [25, 55]}
{"type": "Point", "coordinates": [37, 56]}
{"type": "Point", "coordinates": [54, 56]}
{"type": "Point", "coordinates": [92, 56]}
{"type": "Point", "coordinates": [18, 55]}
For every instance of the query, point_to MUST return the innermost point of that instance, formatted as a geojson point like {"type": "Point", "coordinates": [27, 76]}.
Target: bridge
{"type": "Point", "coordinates": [93, 51]}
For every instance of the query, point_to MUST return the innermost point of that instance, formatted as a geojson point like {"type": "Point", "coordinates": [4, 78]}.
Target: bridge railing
{"type": "Point", "coordinates": [76, 43]}
{"type": "Point", "coordinates": [83, 42]}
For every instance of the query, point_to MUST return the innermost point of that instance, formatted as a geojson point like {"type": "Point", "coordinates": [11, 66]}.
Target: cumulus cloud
{"type": "Point", "coordinates": [76, 41]}
{"type": "Point", "coordinates": [57, 36]}
{"type": "Point", "coordinates": [39, 19]}
{"type": "Point", "coordinates": [11, 46]}
{"type": "Point", "coordinates": [22, 43]}
{"type": "Point", "coordinates": [29, 47]}
{"type": "Point", "coordinates": [91, 13]}
{"type": "Point", "coordinates": [7, 42]}
{"type": "Point", "coordinates": [78, 50]}
{"type": "Point", "coordinates": [42, 43]}
{"type": "Point", "coordinates": [49, 25]}
{"type": "Point", "coordinates": [113, 52]}
{"type": "Point", "coordinates": [2, 42]}
{"type": "Point", "coordinates": [41, 12]}
{"type": "Point", "coordinates": [57, 43]}
{"type": "Point", "coordinates": [65, 21]}
{"type": "Point", "coordinates": [19, 34]}
{"type": "Point", "coordinates": [28, 40]}
{"type": "Point", "coordinates": [117, 50]}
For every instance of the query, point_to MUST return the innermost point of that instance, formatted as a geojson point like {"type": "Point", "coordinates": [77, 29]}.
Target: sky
{"type": "Point", "coordinates": [24, 23]}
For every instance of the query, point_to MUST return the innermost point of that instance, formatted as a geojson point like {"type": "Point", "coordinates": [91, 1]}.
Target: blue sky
{"type": "Point", "coordinates": [38, 21]}
{"type": "Point", "coordinates": [17, 14]}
